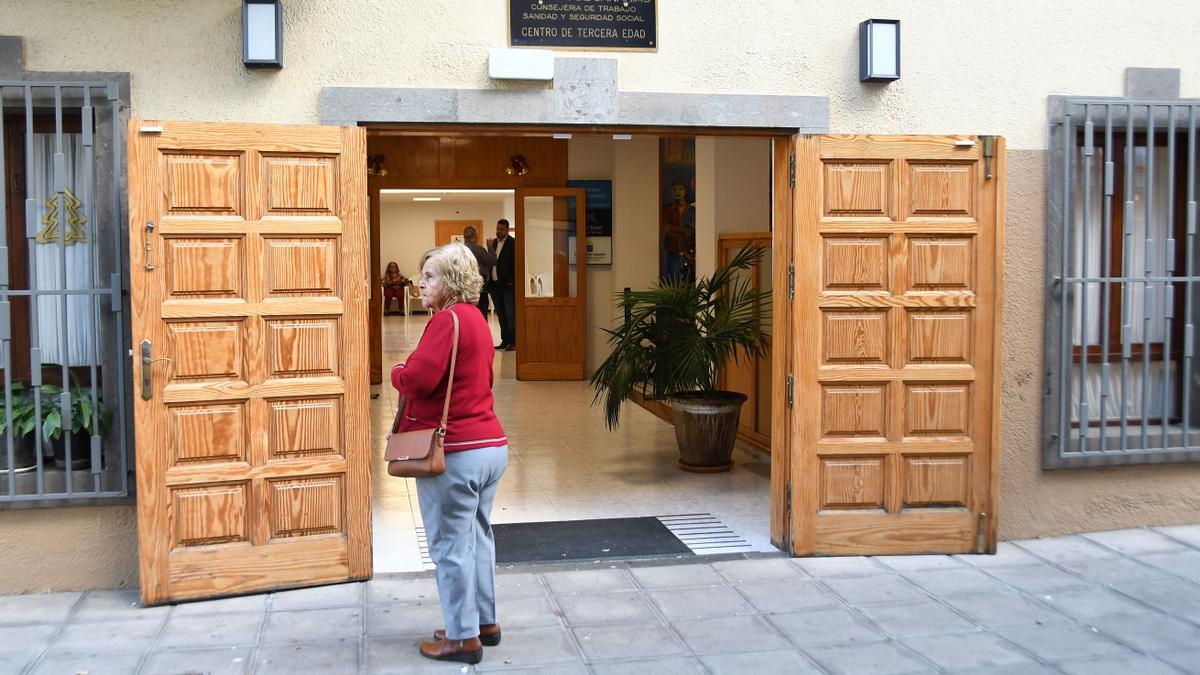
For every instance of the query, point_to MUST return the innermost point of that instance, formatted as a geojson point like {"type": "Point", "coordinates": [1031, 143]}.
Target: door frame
{"type": "Point", "coordinates": [782, 217]}
{"type": "Point", "coordinates": [452, 131]}
{"type": "Point", "coordinates": [782, 384]}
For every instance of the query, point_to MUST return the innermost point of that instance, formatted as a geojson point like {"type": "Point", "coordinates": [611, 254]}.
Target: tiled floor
{"type": "Point", "coordinates": [564, 464]}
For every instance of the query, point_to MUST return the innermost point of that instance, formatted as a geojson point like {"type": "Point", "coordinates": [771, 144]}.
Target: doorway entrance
{"type": "Point", "coordinates": [565, 464]}
{"type": "Point", "coordinates": [882, 384]}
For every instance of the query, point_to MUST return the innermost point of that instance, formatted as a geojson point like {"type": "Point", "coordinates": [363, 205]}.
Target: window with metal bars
{"type": "Point", "coordinates": [63, 375]}
{"type": "Point", "coordinates": [1123, 265]}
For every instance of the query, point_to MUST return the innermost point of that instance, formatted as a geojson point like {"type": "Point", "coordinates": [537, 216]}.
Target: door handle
{"type": "Point", "coordinates": [148, 370]}
{"type": "Point", "coordinates": [149, 264]}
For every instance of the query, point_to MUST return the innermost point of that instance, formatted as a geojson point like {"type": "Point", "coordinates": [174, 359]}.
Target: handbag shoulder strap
{"type": "Point", "coordinates": [449, 384]}
{"type": "Point", "coordinates": [450, 381]}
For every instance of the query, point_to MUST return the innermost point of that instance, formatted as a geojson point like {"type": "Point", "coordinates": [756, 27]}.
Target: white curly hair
{"type": "Point", "coordinates": [459, 270]}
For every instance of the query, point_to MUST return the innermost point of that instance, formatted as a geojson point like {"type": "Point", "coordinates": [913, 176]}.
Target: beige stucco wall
{"type": "Point", "coordinates": [1034, 502]}
{"type": "Point", "coordinates": [970, 66]}
{"type": "Point", "coordinates": [967, 65]}
{"type": "Point", "coordinates": [68, 549]}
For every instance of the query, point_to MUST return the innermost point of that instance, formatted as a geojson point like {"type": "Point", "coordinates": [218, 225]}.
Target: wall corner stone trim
{"type": "Point", "coordinates": [12, 67]}
{"type": "Point", "coordinates": [12, 56]}
{"type": "Point", "coordinates": [1152, 84]}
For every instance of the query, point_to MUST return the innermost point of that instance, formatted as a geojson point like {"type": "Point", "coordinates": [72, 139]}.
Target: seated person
{"type": "Point", "coordinates": [393, 287]}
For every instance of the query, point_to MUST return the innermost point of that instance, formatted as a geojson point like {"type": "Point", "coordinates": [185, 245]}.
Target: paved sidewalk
{"type": "Point", "coordinates": [1113, 602]}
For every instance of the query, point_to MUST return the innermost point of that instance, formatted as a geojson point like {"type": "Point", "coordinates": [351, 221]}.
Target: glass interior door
{"type": "Point", "coordinates": [549, 232]}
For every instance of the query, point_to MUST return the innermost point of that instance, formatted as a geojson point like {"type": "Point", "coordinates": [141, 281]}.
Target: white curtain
{"type": "Point", "coordinates": [1144, 254]}
{"type": "Point", "coordinates": [66, 239]}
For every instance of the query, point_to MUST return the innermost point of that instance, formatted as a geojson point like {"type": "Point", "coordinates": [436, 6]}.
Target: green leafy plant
{"type": "Point", "coordinates": [680, 334]}
{"type": "Point", "coordinates": [94, 419]}
{"type": "Point", "coordinates": [24, 414]}
{"type": "Point", "coordinates": [84, 416]}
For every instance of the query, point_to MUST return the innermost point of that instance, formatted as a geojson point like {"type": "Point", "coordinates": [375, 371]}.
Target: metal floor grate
{"type": "Point", "coordinates": [704, 533]}
{"type": "Point", "coordinates": [423, 547]}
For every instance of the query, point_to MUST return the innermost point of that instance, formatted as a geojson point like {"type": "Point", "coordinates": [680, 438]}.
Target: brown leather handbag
{"type": "Point", "coordinates": [421, 453]}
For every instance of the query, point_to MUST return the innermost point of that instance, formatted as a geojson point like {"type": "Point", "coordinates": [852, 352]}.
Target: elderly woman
{"type": "Point", "coordinates": [457, 505]}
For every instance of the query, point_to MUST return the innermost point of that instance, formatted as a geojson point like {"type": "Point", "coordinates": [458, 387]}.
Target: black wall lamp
{"type": "Point", "coordinates": [262, 33]}
{"type": "Point", "coordinates": [879, 50]}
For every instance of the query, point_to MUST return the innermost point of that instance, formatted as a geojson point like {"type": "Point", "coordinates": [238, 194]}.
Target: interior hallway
{"type": "Point", "coordinates": [564, 464]}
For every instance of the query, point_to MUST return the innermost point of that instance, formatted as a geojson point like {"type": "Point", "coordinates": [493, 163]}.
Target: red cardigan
{"type": "Point", "coordinates": [472, 423]}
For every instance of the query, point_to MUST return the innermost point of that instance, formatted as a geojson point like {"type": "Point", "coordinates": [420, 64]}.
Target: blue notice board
{"type": "Point", "coordinates": [599, 221]}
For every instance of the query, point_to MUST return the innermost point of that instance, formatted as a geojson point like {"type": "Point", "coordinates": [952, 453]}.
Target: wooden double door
{"type": "Point", "coordinates": [886, 411]}
{"type": "Point", "coordinates": [249, 287]}
{"type": "Point", "coordinates": [248, 283]}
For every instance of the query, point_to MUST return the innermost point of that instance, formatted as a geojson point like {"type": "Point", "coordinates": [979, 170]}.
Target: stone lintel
{"type": "Point", "coordinates": [584, 92]}
{"type": "Point", "coordinates": [575, 104]}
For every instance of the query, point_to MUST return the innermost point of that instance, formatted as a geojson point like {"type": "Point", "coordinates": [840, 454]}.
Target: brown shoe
{"type": "Point", "coordinates": [489, 634]}
{"type": "Point", "coordinates": [463, 651]}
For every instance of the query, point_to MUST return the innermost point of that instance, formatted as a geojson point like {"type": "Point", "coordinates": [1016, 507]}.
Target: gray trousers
{"type": "Point", "coordinates": [457, 509]}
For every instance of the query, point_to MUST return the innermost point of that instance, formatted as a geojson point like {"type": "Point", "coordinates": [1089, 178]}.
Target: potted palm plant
{"type": "Point", "coordinates": [674, 341]}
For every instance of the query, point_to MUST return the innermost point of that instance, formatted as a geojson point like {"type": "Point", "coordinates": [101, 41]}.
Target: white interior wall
{"type": "Point", "coordinates": [632, 166]}
{"type": "Point", "coordinates": [733, 186]}
{"type": "Point", "coordinates": [733, 192]}
{"type": "Point", "coordinates": [743, 168]}
{"type": "Point", "coordinates": [406, 228]}
{"type": "Point", "coordinates": [594, 158]}
{"type": "Point", "coordinates": [509, 207]}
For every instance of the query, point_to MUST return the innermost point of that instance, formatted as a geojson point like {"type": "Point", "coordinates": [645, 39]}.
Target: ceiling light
{"type": "Point", "coordinates": [427, 199]}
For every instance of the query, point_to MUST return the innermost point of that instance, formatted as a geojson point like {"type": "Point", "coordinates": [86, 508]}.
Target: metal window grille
{"type": "Point", "coordinates": [65, 412]}
{"type": "Point", "coordinates": [1123, 384]}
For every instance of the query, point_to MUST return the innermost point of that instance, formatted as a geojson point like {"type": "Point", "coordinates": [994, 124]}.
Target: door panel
{"type": "Point", "coordinates": [751, 376]}
{"type": "Point", "coordinates": [897, 243]}
{"type": "Point", "coordinates": [446, 230]}
{"type": "Point", "coordinates": [551, 276]}
{"type": "Point", "coordinates": [251, 422]}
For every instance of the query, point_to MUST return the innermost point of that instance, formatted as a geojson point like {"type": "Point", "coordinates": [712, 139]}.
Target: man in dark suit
{"type": "Point", "coordinates": [502, 285]}
{"type": "Point", "coordinates": [484, 259]}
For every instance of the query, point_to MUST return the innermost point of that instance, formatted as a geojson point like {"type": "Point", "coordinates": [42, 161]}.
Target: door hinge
{"type": "Point", "coordinates": [989, 151]}
{"type": "Point", "coordinates": [791, 281]}
{"type": "Point", "coordinates": [791, 388]}
{"type": "Point", "coordinates": [981, 533]}
{"type": "Point", "coordinates": [789, 503]}
{"type": "Point", "coordinates": [792, 170]}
